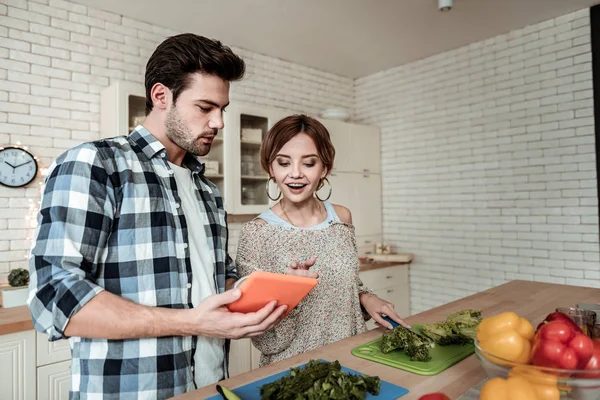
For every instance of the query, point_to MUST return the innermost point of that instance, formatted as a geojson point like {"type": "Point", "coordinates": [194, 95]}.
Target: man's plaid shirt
{"type": "Point", "coordinates": [111, 219]}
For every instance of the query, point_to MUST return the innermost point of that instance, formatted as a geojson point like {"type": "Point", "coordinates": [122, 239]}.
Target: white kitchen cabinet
{"type": "Point", "coordinates": [366, 150]}
{"type": "Point", "coordinates": [240, 357]}
{"type": "Point", "coordinates": [357, 147]}
{"type": "Point", "coordinates": [17, 358]}
{"type": "Point", "coordinates": [243, 357]}
{"type": "Point", "coordinates": [122, 107]}
{"type": "Point", "coordinates": [367, 216]}
{"type": "Point", "coordinates": [245, 127]}
{"type": "Point", "coordinates": [235, 153]}
{"type": "Point", "coordinates": [54, 381]}
{"type": "Point", "coordinates": [339, 132]}
{"type": "Point", "coordinates": [361, 194]}
{"type": "Point", "coordinates": [51, 352]}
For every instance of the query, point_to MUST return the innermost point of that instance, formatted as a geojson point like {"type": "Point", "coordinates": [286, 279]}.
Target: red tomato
{"type": "Point", "coordinates": [434, 396]}
{"type": "Point", "coordinates": [594, 363]}
{"type": "Point", "coordinates": [556, 345]}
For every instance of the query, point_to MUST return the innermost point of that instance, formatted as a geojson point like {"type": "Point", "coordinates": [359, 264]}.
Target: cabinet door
{"type": "Point", "coordinates": [54, 381]}
{"type": "Point", "coordinates": [17, 358]}
{"type": "Point", "coordinates": [343, 191]}
{"type": "Point", "coordinates": [240, 358]}
{"type": "Point", "coordinates": [367, 194]}
{"type": "Point", "coordinates": [340, 132]}
{"type": "Point", "coordinates": [255, 357]}
{"type": "Point", "coordinates": [366, 150]}
{"type": "Point", "coordinates": [51, 352]}
{"type": "Point", "coordinates": [122, 107]}
{"type": "Point", "coordinates": [245, 128]}
{"type": "Point", "coordinates": [398, 296]}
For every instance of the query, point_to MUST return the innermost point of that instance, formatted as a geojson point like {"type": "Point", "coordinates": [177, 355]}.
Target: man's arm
{"type": "Point", "coordinates": [74, 223]}
{"type": "Point", "coordinates": [108, 316]}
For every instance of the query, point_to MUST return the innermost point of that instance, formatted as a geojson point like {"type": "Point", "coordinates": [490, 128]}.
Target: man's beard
{"type": "Point", "coordinates": [178, 133]}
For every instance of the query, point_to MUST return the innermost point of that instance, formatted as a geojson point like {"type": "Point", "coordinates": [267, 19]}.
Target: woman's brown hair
{"type": "Point", "coordinates": [284, 130]}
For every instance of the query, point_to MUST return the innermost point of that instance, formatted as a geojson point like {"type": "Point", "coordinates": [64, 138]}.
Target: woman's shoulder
{"type": "Point", "coordinates": [343, 213]}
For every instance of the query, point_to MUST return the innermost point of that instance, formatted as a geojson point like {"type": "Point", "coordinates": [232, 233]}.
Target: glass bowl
{"type": "Point", "coordinates": [573, 384]}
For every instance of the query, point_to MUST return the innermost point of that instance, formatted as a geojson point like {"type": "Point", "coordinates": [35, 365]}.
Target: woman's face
{"type": "Point", "coordinates": [297, 169]}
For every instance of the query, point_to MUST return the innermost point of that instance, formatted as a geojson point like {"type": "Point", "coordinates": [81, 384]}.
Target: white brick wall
{"type": "Point", "coordinates": [56, 56]}
{"type": "Point", "coordinates": [489, 163]}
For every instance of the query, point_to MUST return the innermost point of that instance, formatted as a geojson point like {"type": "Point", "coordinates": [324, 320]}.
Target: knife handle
{"type": "Point", "coordinates": [391, 321]}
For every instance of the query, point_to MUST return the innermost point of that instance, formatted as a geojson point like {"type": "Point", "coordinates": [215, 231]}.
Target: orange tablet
{"type": "Point", "coordinates": [262, 287]}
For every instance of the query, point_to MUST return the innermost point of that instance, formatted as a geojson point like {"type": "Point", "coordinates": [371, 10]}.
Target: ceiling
{"type": "Point", "coordinates": [351, 38]}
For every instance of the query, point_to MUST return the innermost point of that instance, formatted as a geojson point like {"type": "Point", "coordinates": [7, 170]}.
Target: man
{"type": "Point", "coordinates": [130, 254]}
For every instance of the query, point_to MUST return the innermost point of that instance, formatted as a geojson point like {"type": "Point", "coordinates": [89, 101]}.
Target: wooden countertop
{"type": "Point", "coordinates": [531, 300]}
{"type": "Point", "coordinates": [15, 319]}
{"type": "Point", "coordinates": [379, 264]}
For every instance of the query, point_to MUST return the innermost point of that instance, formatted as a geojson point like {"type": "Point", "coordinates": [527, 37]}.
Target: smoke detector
{"type": "Point", "coordinates": [445, 5]}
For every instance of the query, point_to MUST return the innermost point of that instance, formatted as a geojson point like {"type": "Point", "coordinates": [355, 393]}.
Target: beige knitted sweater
{"type": "Point", "coordinates": [332, 310]}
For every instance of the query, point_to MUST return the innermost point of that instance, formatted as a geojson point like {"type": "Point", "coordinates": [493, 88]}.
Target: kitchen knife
{"type": "Point", "coordinates": [395, 324]}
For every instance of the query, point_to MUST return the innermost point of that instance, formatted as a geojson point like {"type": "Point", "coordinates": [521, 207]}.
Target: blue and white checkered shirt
{"type": "Point", "coordinates": [110, 219]}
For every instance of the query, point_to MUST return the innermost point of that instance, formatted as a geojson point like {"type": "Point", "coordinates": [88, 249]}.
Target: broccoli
{"type": "Point", "coordinates": [400, 338]}
{"type": "Point", "coordinates": [459, 328]}
{"type": "Point", "coordinates": [321, 381]}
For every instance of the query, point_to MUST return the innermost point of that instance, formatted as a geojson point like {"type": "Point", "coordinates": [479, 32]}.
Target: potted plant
{"type": "Point", "coordinates": [16, 294]}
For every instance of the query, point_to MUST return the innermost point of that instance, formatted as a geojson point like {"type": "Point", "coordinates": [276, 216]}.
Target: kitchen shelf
{"type": "Point", "coordinates": [250, 144]}
{"type": "Point", "coordinates": [214, 176]}
{"type": "Point", "coordinates": [255, 178]}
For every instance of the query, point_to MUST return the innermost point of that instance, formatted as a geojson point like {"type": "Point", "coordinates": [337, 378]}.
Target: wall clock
{"type": "Point", "coordinates": [18, 167]}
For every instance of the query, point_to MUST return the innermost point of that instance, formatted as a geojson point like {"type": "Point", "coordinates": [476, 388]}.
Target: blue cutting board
{"type": "Point", "coordinates": [251, 391]}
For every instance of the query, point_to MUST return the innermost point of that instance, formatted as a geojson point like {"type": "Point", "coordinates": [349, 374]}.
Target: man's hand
{"type": "Point", "coordinates": [301, 268]}
{"type": "Point", "coordinates": [213, 318]}
{"type": "Point", "coordinates": [376, 306]}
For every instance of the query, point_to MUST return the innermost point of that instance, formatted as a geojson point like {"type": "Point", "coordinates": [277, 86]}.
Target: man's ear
{"type": "Point", "coordinates": [161, 96]}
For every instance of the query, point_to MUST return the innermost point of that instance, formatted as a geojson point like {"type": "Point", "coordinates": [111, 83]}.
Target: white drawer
{"type": "Point", "coordinates": [366, 244]}
{"type": "Point", "coordinates": [51, 352]}
{"type": "Point", "coordinates": [385, 277]}
{"type": "Point", "coordinates": [54, 381]}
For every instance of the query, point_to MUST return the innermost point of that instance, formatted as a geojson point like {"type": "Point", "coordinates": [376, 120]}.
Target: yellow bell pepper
{"type": "Point", "coordinates": [517, 388]}
{"type": "Point", "coordinates": [507, 336]}
{"type": "Point", "coordinates": [545, 385]}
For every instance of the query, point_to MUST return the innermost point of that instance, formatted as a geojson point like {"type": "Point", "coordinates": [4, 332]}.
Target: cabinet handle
{"type": "Point", "coordinates": [390, 290]}
{"type": "Point", "coordinates": [367, 241]}
{"type": "Point", "coordinates": [389, 277]}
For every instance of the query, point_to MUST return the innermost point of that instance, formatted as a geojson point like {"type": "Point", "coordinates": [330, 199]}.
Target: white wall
{"type": "Point", "coordinates": [488, 157]}
{"type": "Point", "coordinates": [487, 150]}
{"type": "Point", "coordinates": [56, 57]}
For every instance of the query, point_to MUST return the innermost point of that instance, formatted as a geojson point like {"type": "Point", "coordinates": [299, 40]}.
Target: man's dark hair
{"type": "Point", "coordinates": [179, 56]}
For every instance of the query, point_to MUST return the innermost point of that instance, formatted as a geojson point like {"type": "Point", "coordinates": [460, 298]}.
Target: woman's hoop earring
{"type": "Point", "coordinates": [321, 186]}
{"type": "Point", "coordinates": [269, 194]}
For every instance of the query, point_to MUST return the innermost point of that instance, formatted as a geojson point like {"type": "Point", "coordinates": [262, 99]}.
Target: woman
{"type": "Point", "coordinates": [298, 155]}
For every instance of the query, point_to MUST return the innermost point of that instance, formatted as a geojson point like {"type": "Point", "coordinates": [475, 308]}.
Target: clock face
{"type": "Point", "coordinates": [17, 167]}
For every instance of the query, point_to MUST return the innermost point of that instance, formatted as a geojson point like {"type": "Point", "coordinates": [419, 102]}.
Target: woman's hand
{"type": "Point", "coordinates": [376, 306]}
{"type": "Point", "coordinates": [301, 268]}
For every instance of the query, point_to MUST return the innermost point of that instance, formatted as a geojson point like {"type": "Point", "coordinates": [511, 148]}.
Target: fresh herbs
{"type": "Point", "coordinates": [459, 328]}
{"type": "Point", "coordinates": [400, 338]}
{"type": "Point", "coordinates": [320, 380]}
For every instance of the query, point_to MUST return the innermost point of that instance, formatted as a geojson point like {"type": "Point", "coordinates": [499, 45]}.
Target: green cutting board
{"type": "Point", "coordinates": [442, 357]}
